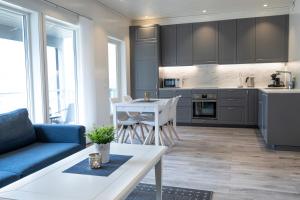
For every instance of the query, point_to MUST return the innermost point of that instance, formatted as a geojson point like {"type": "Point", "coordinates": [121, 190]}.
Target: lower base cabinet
{"type": "Point", "coordinates": [232, 115]}
{"type": "Point", "coordinates": [234, 106]}
{"type": "Point", "coordinates": [278, 118]}
{"type": "Point", "coordinates": [184, 115]}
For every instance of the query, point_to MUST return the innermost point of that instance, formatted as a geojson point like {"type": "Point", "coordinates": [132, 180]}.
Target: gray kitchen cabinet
{"type": "Point", "coordinates": [260, 114]}
{"type": "Point", "coordinates": [184, 114]}
{"type": "Point", "coordinates": [252, 107]}
{"type": "Point", "coordinates": [232, 106]}
{"type": "Point", "coordinates": [145, 33]}
{"type": "Point", "coordinates": [184, 106]}
{"type": "Point", "coordinates": [168, 36]}
{"type": "Point", "coordinates": [272, 38]}
{"type": "Point", "coordinates": [184, 93]}
{"type": "Point", "coordinates": [232, 93]}
{"type": "Point", "coordinates": [205, 43]}
{"type": "Point", "coordinates": [231, 115]}
{"type": "Point", "coordinates": [278, 118]}
{"type": "Point", "coordinates": [263, 116]}
{"type": "Point", "coordinates": [184, 44]}
{"type": "Point", "coordinates": [145, 51]}
{"type": "Point", "coordinates": [246, 40]}
{"type": "Point", "coordinates": [227, 42]}
{"type": "Point", "coordinates": [185, 102]}
{"type": "Point", "coordinates": [166, 93]}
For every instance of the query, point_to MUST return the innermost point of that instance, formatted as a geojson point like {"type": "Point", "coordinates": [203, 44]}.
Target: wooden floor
{"type": "Point", "coordinates": [231, 162]}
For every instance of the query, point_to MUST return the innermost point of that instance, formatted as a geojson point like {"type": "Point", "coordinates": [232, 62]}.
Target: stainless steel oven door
{"type": "Point", "coordinates": [204, 109]}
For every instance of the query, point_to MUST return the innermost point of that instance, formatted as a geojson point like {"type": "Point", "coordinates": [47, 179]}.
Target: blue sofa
{"type": "Point", "coordinates": [27, 148]}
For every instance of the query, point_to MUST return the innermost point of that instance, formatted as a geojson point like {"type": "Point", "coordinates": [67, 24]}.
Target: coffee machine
{"type": "Point", "coordinates": [275, 81]}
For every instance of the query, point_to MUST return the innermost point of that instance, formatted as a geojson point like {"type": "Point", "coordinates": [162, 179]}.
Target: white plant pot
{"type": "Point", "coordinates": [104, 150]}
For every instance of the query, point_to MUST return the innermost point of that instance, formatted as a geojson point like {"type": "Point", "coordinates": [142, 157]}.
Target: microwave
{"type": "Point", "coordinates": [171, 83]}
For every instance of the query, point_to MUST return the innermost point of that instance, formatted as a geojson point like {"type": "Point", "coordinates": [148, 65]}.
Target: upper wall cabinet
{"type": "Point", "coordinates": [205, 43]}
{"type": "Point", "coordinates": [168, 35]}
{"type": "Point", "coordinates": [227, 42]}
{"type": "Point", "coordinates": [246, 40]}
{"type": "Point", "coordinates": [146, 33]}
{"type": "Point", "coordinates": [272, 39]}
{"type": "Point", "coordinates": [185, 44]}
{"type": "Point", "coordinates": [250, 40]}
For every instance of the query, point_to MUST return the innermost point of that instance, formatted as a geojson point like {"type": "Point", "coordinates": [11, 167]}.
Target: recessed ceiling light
{"type": "Point", "coordinates": [204, 11]}
{"type": "Point", "coordinates": [265, 5]}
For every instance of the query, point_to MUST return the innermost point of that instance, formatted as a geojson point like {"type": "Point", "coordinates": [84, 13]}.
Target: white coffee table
{"type": "Point", "coordinates": [51, 183]}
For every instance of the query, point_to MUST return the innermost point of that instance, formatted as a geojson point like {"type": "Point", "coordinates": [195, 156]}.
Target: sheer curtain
{"type": "Point", "coordinates": [86, 74]}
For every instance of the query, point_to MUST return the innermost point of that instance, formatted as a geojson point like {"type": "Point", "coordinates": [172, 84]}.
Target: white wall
{"type": "Point", "coordinates": [222, 75]}
{"type": "Point", "coordinates": [294, 43]}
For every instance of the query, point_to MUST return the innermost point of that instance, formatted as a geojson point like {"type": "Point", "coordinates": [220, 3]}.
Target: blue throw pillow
{"type": "Point", "coordinates": [16, 130]}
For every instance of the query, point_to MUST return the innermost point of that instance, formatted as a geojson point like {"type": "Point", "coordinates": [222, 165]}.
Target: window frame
{"type": "Point", "coordinates": [118, 44]}
{"type": "Point", "coordinates": [75, 31]}
{"type": "Point", "coordinates": [26, 33]}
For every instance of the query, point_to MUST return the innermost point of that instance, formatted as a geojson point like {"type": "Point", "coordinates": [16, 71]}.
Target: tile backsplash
{"type": "Point", "coordinates": [222, 75]}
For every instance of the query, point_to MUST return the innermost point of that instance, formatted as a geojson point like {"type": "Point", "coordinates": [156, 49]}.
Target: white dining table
{"type": "Point", "coordinates": [154, 106]}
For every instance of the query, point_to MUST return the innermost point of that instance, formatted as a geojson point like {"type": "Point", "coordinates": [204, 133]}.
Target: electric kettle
{"type": "Point", "coordinates": [250, 81]}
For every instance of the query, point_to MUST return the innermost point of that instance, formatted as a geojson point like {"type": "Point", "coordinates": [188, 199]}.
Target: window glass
{"type": "Point", "coordinates": [13, 69]}
{"type": "Point", "coordinates": [61, 73]}
{"type": "Point", "coordinates": [112, 66]}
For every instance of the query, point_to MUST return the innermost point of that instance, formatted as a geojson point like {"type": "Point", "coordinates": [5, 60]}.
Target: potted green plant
{"type": "Point", "coordinates": [102, 137]}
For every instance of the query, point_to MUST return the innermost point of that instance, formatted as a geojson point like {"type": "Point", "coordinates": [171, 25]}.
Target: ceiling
{"type": "Point", "coordinates": [153, 9]}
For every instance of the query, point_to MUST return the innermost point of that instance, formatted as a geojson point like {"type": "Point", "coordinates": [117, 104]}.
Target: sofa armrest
{"type": "Point", "coordinates": [61, 133]}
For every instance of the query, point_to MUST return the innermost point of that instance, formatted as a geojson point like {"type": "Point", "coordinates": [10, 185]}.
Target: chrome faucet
{"type": "Point", "coordinates": [290, 82]}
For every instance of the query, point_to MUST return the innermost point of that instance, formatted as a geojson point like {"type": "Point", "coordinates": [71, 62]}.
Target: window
{"type": "Point", "coordinates": [14, 72]}
{"type": "Point", "coordinates": [61, 68]}
{"type": "Point", "coordinates": [114, 68]}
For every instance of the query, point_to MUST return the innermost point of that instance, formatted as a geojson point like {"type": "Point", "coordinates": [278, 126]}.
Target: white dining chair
{"type": "Point", "coordinates": [163, 119]}
{"type": "Point", "coordinates": [172, 117]}
{"type": "Point", "coordinates": [137, 116]}
{"type": "Point", "coordinates": [126, 126]}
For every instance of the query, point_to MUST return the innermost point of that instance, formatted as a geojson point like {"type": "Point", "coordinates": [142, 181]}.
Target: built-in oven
{"type": "Point", "coordinates": [205, 106]}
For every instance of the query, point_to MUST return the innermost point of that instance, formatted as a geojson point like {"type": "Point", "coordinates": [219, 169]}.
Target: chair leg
{"type": "Point", "coordinates": [142, 132]}
{"type": "Point", "coordinates": [127, 136]}
{"type": "Point", "coordinates": [122, 136]}
{"type": "Point", "coordinates": [175, 132]}
{"type": "Point", "coordinates": [161, 139]}
{"type": "Point", "coordinates": [166, 136]}
{"type": "Point", "coordinates": [148, 138]}
{"type": "Point", "coordinates": [170, 132]}
{"type": "Point", "coordinates": [119, 133]}
{"type": "Point", "coordinates": [135, 133]}
{"type": "Point", "coordinates": [131, 135]}
{"type": "Point", "coordinates": [152, 141]}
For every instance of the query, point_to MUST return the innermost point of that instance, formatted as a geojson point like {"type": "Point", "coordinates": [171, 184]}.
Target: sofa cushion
{"type": "Point", "coordinates": [16, 130]}
{"type": "Point", "coordinates": [7, 178]}
{"type": "Point", "coordinates": [34, 157]}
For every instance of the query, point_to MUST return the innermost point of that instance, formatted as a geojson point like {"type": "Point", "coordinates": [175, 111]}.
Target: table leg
{"type": "Point", "coordinates": [158, 180]}
{"type": "Point", "coordinates": [156, 113]}
{"type": "Point", "coordinates": [115, 117]}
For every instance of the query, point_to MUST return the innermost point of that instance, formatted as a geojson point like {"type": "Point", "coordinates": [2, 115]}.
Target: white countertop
{"type": "Point", "coordinates": [265, 90]}
{"type": "Point", "coordinates": [279, 91]}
